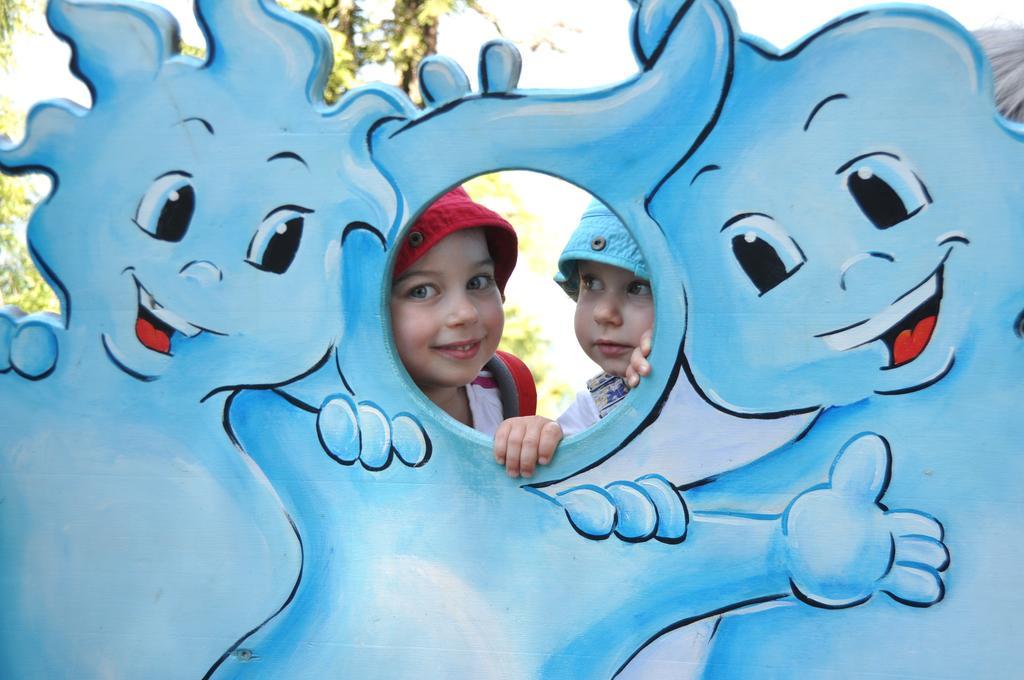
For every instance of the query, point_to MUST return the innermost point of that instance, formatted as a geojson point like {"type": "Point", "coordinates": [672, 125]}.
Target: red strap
{"type": "Point", "coordinates": [526, 386]}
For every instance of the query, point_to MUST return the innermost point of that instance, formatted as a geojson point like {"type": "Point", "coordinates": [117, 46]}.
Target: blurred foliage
{"type": "Point", "coordinates": [12, 19]}
{"type": "Point", "coordinates": [20, 283]}
{"type": "Point", "coordinates": [369, 33]}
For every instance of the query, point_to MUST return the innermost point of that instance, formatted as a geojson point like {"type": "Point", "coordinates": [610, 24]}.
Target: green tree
{"type": "Point", "coordinates": [363, 35]}
{"type": "Point", "coordinates": [12, 13]}
{"type": "Point", "coordinates": [20, 283]}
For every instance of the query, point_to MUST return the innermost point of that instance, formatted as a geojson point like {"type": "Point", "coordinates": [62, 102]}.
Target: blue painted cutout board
{"type": "Point", "coordinates": [214, 465]}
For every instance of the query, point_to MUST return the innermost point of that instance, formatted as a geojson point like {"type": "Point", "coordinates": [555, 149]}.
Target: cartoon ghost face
{"type": "Point", "coordinates": [831, 226]}
{"type": "Point", "coordinates": [215, 257]}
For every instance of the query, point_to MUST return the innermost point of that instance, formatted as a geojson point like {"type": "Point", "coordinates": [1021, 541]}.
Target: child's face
{"type": "Point", "coordinates": [446, 313]}
{"type": "Point", "coordinates": [613, 311]}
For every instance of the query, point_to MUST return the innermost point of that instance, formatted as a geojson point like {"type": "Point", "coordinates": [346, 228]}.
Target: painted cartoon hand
{"type": "Point", "coordinates": [351, 432]}
{"type": "Point", "coordinates": [843, 545]}
{"type": "Point", "coordinates": [442, 80]}
{"type": "Point", "coordinates": [28, 344]}
{"type": "Point", "coordinates": [648, 507]}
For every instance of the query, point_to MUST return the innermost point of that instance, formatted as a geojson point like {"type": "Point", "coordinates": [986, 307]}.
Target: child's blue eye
{"type": "Point", "coordinates": [592, 282]}
{"type": "Point", "coordinates": [480, 282]}
{"type": "Point", "coordinates": [767, 255]}
{"type": "Point", "coordinates": [422, 292]}
{"type": "Point", "coordinates": [277, 239]}
{"type": "Point", "coordinates": [166, 208]}
{"type": "Point", "coordinates": [885, 189]}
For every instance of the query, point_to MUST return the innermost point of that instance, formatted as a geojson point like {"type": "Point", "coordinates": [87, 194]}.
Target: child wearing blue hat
{"type": "Point", "coordinates": [602, 269]}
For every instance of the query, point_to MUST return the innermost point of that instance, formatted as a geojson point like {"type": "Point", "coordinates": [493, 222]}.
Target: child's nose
{"type": "Point", "coordinates": [462, 311]}
{"type": "Point", "coordinates": [607, 312]}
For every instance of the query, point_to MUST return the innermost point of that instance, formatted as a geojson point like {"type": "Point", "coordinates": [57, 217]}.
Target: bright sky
{"type": "Point", "coordinates": [593, 49]}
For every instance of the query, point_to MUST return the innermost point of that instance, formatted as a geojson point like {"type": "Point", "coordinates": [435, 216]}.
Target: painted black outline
{"type": "Point", "coordinates": [341, 374]}
{"type": "Point", "coordinates": [327, 449]}
{"type": "Point", "coordinates": [685, 622]}
{"type": "Point", "coordinates": [657, 515]}
{"type": "Point", "coordinates": [1018, 325]}
{"type": "Point", "coordinates": [363, 226]}
{"type": "Point", "coordinates": [294, 401]}
{"type": "Point", "coordinates": [848, 164]}
{"type": "Point", "coordinates": [442, 109]}
{"type": "Point", "coordinates": [391, 449]}
{"type": "Point", "coordinates": [73, 63]}
{"type": "Point", "coordinates": [483, 73]}
{"type": "Point", "coordinates": [428, 96]}
{"type": "Point", "coordinates": [132, 372]}
{"type": "Point", "coordinates": [208, 37]}
{"type": "Point", "coordinates": [288, 154]}
{"type": "Point", "coordinates": [140, 288]}
{"type": "Point", "coordinates": [196, 119]}
{"type": "Point", "coordinates": [938, 272]}
{"type": "Point", "coordinates": [928, 383]}
{"type": "Point", "coordinates": [649, 61]}
{"type": "Point", "coordinates": [426, 437]}
{"type": "Point", "coordinates": [45, 374]}
{"type": "Point", "coordinates": [955, 238]}
{"type": "Point", "coordinates": [686, 512]}
{"type": "Point", "coordinates": [65, 298]}
{"type": "Point", "coordinates": [305, 374]}
{"type": "Point", "coordinates": [872, 253]}
{"type": "Point", "coordinates": [920, 605]}
{"type": "Point", "coordinates": [220, 277]}
{"type": "Point", "coordinates": [34, 169]}
{"type": "Point", "coordinates": [775, 56]}
{"type": "Point", "coordinates": [730, 39]}
{"type": "Point", "coordinates": [800, 595]}
{"type": "Point", "coordinates": [726, 90]}
{"type": "Point", "coordinates": [821, 104]}
{"type": "Point", "coordinates": [226, 422]}
{"type": "Point", "coordinates": [138, 206]}
{"type": "Point", "coordinates": [258, 264]}
{"type": "Point", "coordinates": [707, 168]}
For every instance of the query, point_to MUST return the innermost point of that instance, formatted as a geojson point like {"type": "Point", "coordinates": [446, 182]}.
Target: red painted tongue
{"type": "Point", "coordinates": [910, 343]}
{"type": "Point", "coordinates": [151, 337]}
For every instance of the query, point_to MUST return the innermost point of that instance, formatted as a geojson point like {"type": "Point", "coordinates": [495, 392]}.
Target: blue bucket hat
{"type": "Point", "coordinates": [600, 237]}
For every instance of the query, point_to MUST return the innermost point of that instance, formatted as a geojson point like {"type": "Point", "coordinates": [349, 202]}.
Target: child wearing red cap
{"type": "Point", "coordinates": [447, 292]}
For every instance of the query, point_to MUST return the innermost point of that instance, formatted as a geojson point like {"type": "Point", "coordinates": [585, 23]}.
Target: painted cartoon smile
{"type": "Point", "coordinates": [155, 325]}
{"type": "Point", "coordinates": [905, 326]}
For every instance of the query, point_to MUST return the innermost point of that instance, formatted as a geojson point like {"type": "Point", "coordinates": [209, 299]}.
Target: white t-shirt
{"type": "Point", "coordinates": [485, 404]}
{"type": "Point", "coordinates": [603, 393]}
{"type": "Point", "coordinates": [581, 414]}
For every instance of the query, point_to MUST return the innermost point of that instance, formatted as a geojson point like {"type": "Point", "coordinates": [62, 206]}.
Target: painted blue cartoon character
{"type": "Point", "coordinates": [214, 267]}
{"type": "Point", "coordinates": [866, 252]}
{"type": "Point", "coordinates": [843, 238]}
{"type": "Point", "coordinates": [193, 254]}
{"type": "Point", "coordinates": [435, 513]}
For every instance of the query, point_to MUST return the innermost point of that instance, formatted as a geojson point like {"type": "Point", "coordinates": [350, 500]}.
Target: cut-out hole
{"type": "Point", "coordinates": [539, 315]}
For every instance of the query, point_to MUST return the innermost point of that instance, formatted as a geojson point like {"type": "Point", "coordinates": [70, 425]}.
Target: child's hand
{"type": "Point", "coordinates": [638, 365]}
{"type": "Point", "coordinates": [520, 444]}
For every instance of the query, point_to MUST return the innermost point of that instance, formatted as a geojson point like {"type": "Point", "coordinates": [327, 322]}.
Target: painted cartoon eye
{"type": "Point", "coordinates": [166, 208]}
{"type": "Point", "coordinates": [767, 255]}
{"type": "Point", "coordinates": [885, 189]}
{"type": "Point", "coordinates": [275, 243]}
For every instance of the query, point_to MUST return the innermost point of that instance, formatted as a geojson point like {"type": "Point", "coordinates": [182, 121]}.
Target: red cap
{"type": "Point", "coordinates": [452, 212]}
